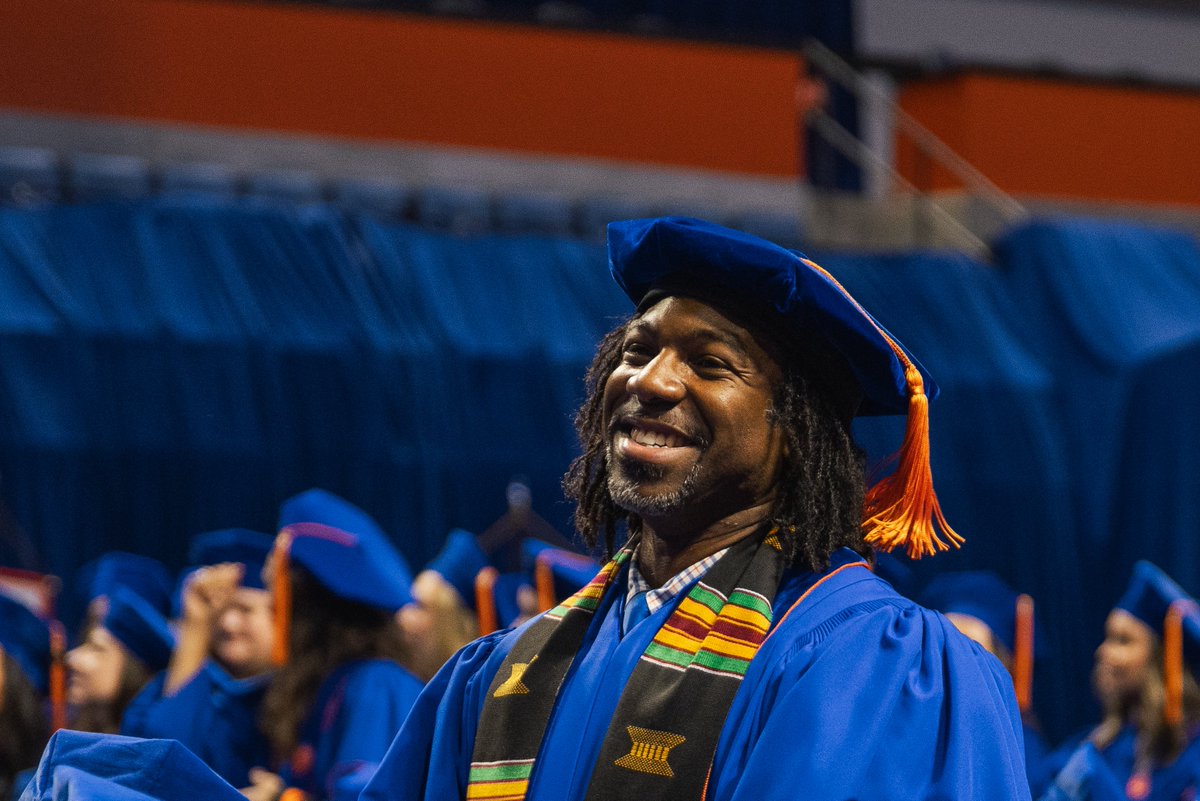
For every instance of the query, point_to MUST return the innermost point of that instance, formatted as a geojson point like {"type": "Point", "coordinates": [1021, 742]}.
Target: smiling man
{"type": "Point", "coordinates": [737, 645]}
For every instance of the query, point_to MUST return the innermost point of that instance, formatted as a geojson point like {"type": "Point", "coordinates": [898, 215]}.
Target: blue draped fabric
{"type": "Point", "coordinates": [1113, 310]}
{"type": "Point", "coordinates": [176, 366]}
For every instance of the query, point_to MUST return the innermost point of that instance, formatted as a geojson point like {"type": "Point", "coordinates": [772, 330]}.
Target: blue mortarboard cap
{"type": "Point", "coordinates": [239, 545]}
{"type": "Point", "coordinates": [80, 766]}
{"type": "Point", "coordinates": [147, 577]}
{"type": "Point", "coordinates": [26, 638]}
{"type": "Point", "coordinates": [358, 566]}
{"type": "Point", "coordinates": [980, 594]}
{"type": "Point", "coordinates": [1148, 598]}
{"type": "Point", "coordinates": [459, 561]}
{"type": "Point", "coordinates": [140, 628]}
{"type": "Point", "coordinates": [1150, 594]}
{"type": "Point", "coordinates": [321, 506]}
{"type": "Point", "coordinates": [802, 302]}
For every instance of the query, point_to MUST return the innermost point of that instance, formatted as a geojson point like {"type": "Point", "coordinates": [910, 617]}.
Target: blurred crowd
{"type": "Point", "coordinates": [287, 663]}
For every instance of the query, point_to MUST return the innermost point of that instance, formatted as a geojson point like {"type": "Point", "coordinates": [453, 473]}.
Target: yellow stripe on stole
{"type": "Point", "coordinates": [668, 637]}
{"type": "Point", "coordinates": [498, 790]}
{"type": "Point", "coordinates": [723, 646]}
{"type": "Point", "coordinates": [748, 616]}
{"type": "Point", "coordinates": [697, 610]}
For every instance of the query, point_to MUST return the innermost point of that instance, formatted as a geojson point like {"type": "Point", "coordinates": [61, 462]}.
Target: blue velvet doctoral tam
{"type": "Point", "coordinates": [858, 693]}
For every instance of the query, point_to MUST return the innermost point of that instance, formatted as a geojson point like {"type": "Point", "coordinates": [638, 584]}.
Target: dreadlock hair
{"type": "Point", "coordinates": [820, 503]}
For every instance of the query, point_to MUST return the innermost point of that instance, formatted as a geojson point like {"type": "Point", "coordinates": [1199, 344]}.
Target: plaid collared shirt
{"type": "Point", "coordinates": [657, 598]}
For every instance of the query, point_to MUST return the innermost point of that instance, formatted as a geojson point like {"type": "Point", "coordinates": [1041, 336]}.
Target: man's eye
{"type": "Point", "coordinates": [709, 363]}
{"type": "Point", "coordinates": [636, 352]}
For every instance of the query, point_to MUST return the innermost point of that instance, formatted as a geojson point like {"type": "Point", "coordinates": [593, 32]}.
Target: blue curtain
{"type": "Point", "coordinates": [176, 366]}
{"type": "Point", "coordinates": [998, 458]}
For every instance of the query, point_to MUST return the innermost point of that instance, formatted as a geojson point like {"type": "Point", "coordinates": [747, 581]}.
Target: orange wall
{"type": "Point", "coordinates": [1065, 139]}
{"type": "Point", "coordinates": [399, 77]}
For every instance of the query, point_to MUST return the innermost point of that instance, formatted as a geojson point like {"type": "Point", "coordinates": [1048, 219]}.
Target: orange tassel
{"type": "Point", "coordinates": [543, 574]}
{"type": "Point", "coordinates": [901, 510]}
{"type": "Point", "coordinates": [1173, 660]}
{"type": "Point", "coordinates": [281, 587]}
{"type": "Point", "coordinates": [1023, 654]}
{"type": "Point", "coordinates": [485, 600]}
{"type": "Point", "coordinates": [58, 676]}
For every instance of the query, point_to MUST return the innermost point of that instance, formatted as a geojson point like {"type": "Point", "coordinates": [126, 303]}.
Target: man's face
{"type": "Point", "coordinates": [687, 412]}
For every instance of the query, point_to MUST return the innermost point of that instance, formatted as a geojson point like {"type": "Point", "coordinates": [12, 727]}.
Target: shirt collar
{"type": "Point", "coordinates": [657, 598]}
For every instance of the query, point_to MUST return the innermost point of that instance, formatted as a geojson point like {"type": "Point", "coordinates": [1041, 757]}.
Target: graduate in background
{"type": "Point", "coordinates": [991, 613]}
{"type": "Point", "coordinates": [24, 683]}
{"type": "Point", "coordinates": [340, 692]}
{"type": "Point", "coordinates": [147, 578]}
{"type": "Point", "coordinates": [440, 619]}
{"type": "Point", "coordinates": [737, 645]}
{"type": "Point", "coordinates": [1146, 748]}
{"type": "Point", "coordinates": [210, 696]}
{"type": "Point", "coordinates": [119, 655]}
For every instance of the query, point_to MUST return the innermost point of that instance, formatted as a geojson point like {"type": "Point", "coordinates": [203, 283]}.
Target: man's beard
{"type": "Point", "coordinates": [623, 485]}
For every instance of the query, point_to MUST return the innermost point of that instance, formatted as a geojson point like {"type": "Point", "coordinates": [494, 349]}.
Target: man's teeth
{"type": "Point", "coordinates": [655, 439]}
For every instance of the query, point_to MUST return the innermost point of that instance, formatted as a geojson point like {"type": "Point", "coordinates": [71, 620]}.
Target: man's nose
{"type": "Point", "coordinates": [658, 380]}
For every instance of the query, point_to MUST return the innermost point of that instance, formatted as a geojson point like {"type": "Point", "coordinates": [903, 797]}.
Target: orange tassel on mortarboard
{"type": "Point", "coordinates": [1173, 660]}
{"type": "Point", "coordinates": [901, 509]}
{"type": "Point", "coordinates": [543, 574]}
{"type": "Point", "coordinates": [281, 596]}
{"type": "Point", "coordinates": [485, 600]}
{"type": "Point", "coordinates": [1023, 653]}
{"type": "Point", "coordinates": [58, 676]}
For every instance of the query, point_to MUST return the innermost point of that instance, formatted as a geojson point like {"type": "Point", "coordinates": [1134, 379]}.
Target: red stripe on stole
{"type": "Point", "coordinates": [681, 611]}
{"type": "Point", "coordinates": [738, 631]}
{"type": "Point", "coordinates": [687, 626]}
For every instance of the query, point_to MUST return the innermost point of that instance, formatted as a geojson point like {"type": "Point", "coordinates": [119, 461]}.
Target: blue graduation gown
{"type": "Point", "coordinates": [1093, 775]}
{"type": "Point", "coordinates": [858, 693]}
{"type": "Point", "coordinates": [358, 710]}
{"type": "Point", "coordinates": [214, 715]}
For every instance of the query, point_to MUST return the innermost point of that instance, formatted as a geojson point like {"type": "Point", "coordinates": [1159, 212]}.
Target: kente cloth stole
{"type": "Point", "coordinates": [663, 735]}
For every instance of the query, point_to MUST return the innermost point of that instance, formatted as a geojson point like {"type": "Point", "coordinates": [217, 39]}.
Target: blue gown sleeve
{"type": "Point", "coordinates": [887, 702]}
{"type": "Point", "coordinates": [376, 700]}
{"type": "Point", "coordinates": [1085, 777]}
{"type": "Point", "coordinates": [430, 756]}
{"type": "Point", "coordinates": [213, 715]}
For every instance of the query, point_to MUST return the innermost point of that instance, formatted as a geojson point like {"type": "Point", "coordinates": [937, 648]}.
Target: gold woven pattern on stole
{"type": "Point", "coordinates": [513, 684]}
{"type": "Point", "coordinates": [649, 751]}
